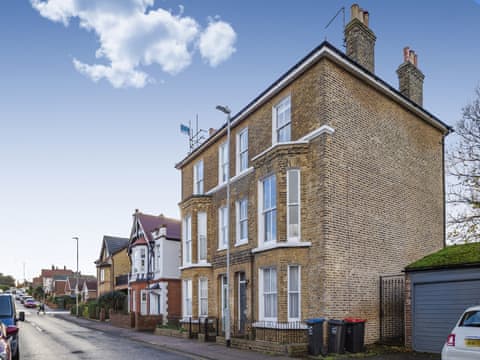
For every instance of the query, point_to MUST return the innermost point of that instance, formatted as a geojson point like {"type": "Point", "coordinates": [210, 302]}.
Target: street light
{"type": "Point", "coordinates": [227, 111]}
{"type": "Point", "coordinates": [76, 287]}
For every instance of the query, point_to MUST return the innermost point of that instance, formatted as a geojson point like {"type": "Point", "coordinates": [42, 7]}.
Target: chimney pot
{"type": "Point", "coordinates": [410, 78]}
{"type": "Point", "coordinates": [366, 18]}
{"type": "Point", "coordinates": [360, 39]}
{"type": "Point", "coordinates": [406, 53]}
{"type": "Point", "coordinates": [354, 10]}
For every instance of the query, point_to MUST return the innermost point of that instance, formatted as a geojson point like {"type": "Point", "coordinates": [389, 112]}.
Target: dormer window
{"type": "Point", "coordinates": [281, 121]}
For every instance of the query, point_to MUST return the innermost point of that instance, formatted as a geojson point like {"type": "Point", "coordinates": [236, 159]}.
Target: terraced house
{"type": "Point", "coordinates": [336, 178]}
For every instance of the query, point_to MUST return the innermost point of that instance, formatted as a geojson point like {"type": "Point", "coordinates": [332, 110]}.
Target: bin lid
{"type": "Point", "coordinates": [335, 322]}
{"type": "Point", "coordinates": [314, 320]}
{"type": "Point", "coordinates": [354, 320]}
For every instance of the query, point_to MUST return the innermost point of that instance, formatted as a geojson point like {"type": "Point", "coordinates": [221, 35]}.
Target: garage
{"type": "Point", "coordinates": [440, 287]}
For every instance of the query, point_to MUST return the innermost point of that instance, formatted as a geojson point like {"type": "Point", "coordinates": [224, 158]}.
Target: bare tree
{"type": "Point", "coordinates": [464, 170]}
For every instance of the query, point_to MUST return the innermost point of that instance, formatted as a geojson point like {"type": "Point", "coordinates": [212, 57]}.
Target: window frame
{"type": "Point", "coordinates": [262, 211]}
{"type": "Point", "coordinates": [241, 152]}
{"type": "Point", "coordinates": [187, 240]}
{"type": "Point", "coordinates": [240, 220]}
{"type": "Point", "coordinates": [290, 204]}
{"type": "Point", "coordinates": [198, 183]}
{"type": "Point", "coordinates": [222, 224]}
{"type": "Point", "coordinates": [200, 250]}
{"type": "Point", "coordinates": [187, 290]}
{"type": "Point", "coordinates": [203, 297]}
{"type": "Point", "coordinates": [262, 294]}
{"type": "Point", "coordinates": [275, 128]}
{"type": "Point", "coordinates": [298, 292]}
{"type": "Point", "coordinates": [102, 275]}
{"type": "Point", "coordinates": [223, 164]}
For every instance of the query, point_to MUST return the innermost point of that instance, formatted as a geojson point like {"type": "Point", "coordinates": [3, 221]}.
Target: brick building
{"type": "Point", "coordinates": [113, 265]}
{"type": "Point", "coordinates": [337, 178]}
{"type": "Point", "coordinates": [154, 280]}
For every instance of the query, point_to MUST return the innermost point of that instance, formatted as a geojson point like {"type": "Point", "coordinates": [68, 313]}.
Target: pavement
{"type": "Point", "coordinates": [213, 351]}
{"type": "Point", "coordinates": [195, 348]}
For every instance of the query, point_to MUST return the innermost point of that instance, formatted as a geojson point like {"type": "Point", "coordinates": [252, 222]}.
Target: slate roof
{"type": "Point", "coordinates": [114, 244]}
{"type": "Point", "coordinates": [91, 284]}
{"type": "Point", "coordinates": [152, 222]}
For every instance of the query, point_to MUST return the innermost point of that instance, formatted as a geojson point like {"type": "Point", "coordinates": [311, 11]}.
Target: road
{"type": "Point", "coordinates": [47, 337]}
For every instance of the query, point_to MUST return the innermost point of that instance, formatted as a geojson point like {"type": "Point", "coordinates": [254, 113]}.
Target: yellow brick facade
{"type": "Point", "coordinates": [371, 198]}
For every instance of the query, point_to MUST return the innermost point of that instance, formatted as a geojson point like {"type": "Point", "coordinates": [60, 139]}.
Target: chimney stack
{"type": "Point", "coordinates": [163, 231]}
{"type": "Point", "coordinates": [360, 39]}
{"type": "Point", "coordinates": [211, 131]}
{"type": "Point", "coordinates": [410, 78]}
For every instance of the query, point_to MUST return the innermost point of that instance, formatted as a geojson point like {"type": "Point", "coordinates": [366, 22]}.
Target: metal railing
{"type": "Point", "coordinates": [121, 280]}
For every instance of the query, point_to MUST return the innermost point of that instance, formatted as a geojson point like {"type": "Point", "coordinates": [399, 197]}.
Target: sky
{"type": "Point", "coordinates": [93, 92]}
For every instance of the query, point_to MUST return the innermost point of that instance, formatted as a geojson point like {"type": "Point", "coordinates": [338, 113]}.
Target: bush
{"type": "Point", "coordinates": [81, 310]}
{"type": "Point", "coordinates": [92, 309]}
{"type": "Point", "coordinates": [112, 300]}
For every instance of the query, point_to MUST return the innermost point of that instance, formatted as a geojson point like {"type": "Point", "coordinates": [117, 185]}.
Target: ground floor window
{"type": "Point", "coordinates": [268, 294]}
{"type": "Point", "coordinates": [187, 298]}
{"type": "Point", "coordinates": [294, 293]}
{"type": "Point", "coordinates": [203, 297]}
{"type": "Point", "coordinates": [155, 303]}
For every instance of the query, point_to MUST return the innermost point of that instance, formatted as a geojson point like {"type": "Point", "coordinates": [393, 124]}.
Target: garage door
{"type": "Point", "coordinates": [436, 309]}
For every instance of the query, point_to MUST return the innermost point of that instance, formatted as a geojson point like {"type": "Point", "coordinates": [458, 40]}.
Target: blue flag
{"type": "Point", "coordinates": [184, 129]}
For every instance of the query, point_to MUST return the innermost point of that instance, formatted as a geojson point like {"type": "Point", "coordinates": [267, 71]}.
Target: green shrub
{"type": "Point", "coordinates": [112, 300]}
{"type": "Point", "coordinates": [92, 309]}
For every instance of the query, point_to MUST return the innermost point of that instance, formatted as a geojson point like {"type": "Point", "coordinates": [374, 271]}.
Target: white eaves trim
{"type": "Point", "coordinates": [282, 244]}
{"type": "Point", "coordinates": [324, 129]}
{"type": "Point", "coordinates": [323, 51]}
{"type": "Point", "coordinates": [199, 265]}
{"type": "Point", "coordinates": [232, 179]}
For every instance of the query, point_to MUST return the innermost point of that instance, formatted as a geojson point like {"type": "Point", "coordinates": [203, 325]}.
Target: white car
{"type": "Point", "coordinates": [463, 343]}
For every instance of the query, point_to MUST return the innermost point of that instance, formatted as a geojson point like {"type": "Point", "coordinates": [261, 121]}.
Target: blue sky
{"type": "Point", "coordinates": [78, 156]}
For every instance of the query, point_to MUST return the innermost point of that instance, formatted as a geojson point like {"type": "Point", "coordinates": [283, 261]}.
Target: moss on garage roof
{"type": "Point", "coordinates": [451, 256]}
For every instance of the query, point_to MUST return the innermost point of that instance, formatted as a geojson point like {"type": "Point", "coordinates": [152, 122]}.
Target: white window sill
{"type": "Point", "coordinates": [222, 249]}
{"type": "Point", "coordinates": [281, 244]}
{"type": "Point", "coordinates": [241, 243]}
{"type": "Point", "coordinates": [191, 266]}
{"type": "Point", "coordinates": [232, 179]}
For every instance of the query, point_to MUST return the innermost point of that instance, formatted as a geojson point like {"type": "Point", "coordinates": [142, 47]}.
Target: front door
{"type": "Point", "coordinates": [224, 300]}
{"type": "Point", "coordinates": [242, 302]}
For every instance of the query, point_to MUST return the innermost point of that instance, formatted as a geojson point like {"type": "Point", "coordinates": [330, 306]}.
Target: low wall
{"type": "Point", "coordinates": [122, 320]}
{"type": "Point", "coordinates": [171, 332]}
{"type": "Point", "coordinates": [294, 350]}
{"type": "Point", "coordinates": [147, 322]}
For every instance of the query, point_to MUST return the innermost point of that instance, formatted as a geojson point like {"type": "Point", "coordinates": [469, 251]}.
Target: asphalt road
{"type": "Point", "coordinates": [46, 337]}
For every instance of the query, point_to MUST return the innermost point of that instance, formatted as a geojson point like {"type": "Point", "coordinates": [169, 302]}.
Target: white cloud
{"type": "Point", "coordinates": [216, 42]}
{"type": "Point", "coordinates": [133, 35]}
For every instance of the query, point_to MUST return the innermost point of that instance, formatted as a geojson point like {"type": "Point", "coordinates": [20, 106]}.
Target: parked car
{"type": "Point", "coordinates": [5, 347]}
{"type": "Point", "coordinates": [464, 340]}
{"type": "Point", "coordinates": [8, 316]}
{"type": "Point", "coordinates": [30, 303]}
{"type": "Point", "coordinates": [25, 298]}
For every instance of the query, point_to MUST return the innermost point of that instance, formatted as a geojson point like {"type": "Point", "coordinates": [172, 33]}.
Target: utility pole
{"type": "Point", "coordinates": [227, 111]}
{"type": "Point", "coordinates": [77, 278]}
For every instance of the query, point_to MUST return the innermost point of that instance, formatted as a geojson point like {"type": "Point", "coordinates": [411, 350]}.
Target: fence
{"type": "Point", "coordinates": [392, 302]}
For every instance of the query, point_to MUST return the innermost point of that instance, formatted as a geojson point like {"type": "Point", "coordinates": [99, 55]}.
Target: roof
{"type": "Point", "coordinates": [453, 256]}
{"type": "Point", "coordinates": [151, 223]}
{"type": "Point", "coordinates": [60, 277]}
{"type": "Point", "coordinates": [91, 284]}
{"type": "Point", "coordinates": [114, 244]}
{"type": "Point", "coordinates": [49, 273]}
{"type": "Point", "coordinates": [311, 58]}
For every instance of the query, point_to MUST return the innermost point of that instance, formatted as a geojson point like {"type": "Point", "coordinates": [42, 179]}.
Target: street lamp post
{"type": "Point", "coordinates": [227, 111]}
{"type": "Point", "coordinates": [76, 275]}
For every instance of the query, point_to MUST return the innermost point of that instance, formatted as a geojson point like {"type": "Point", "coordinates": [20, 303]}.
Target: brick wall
{"type": "Point", "coordinates": [371, 195]}
{"type": "Point", "coordinates": [122, 320]}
